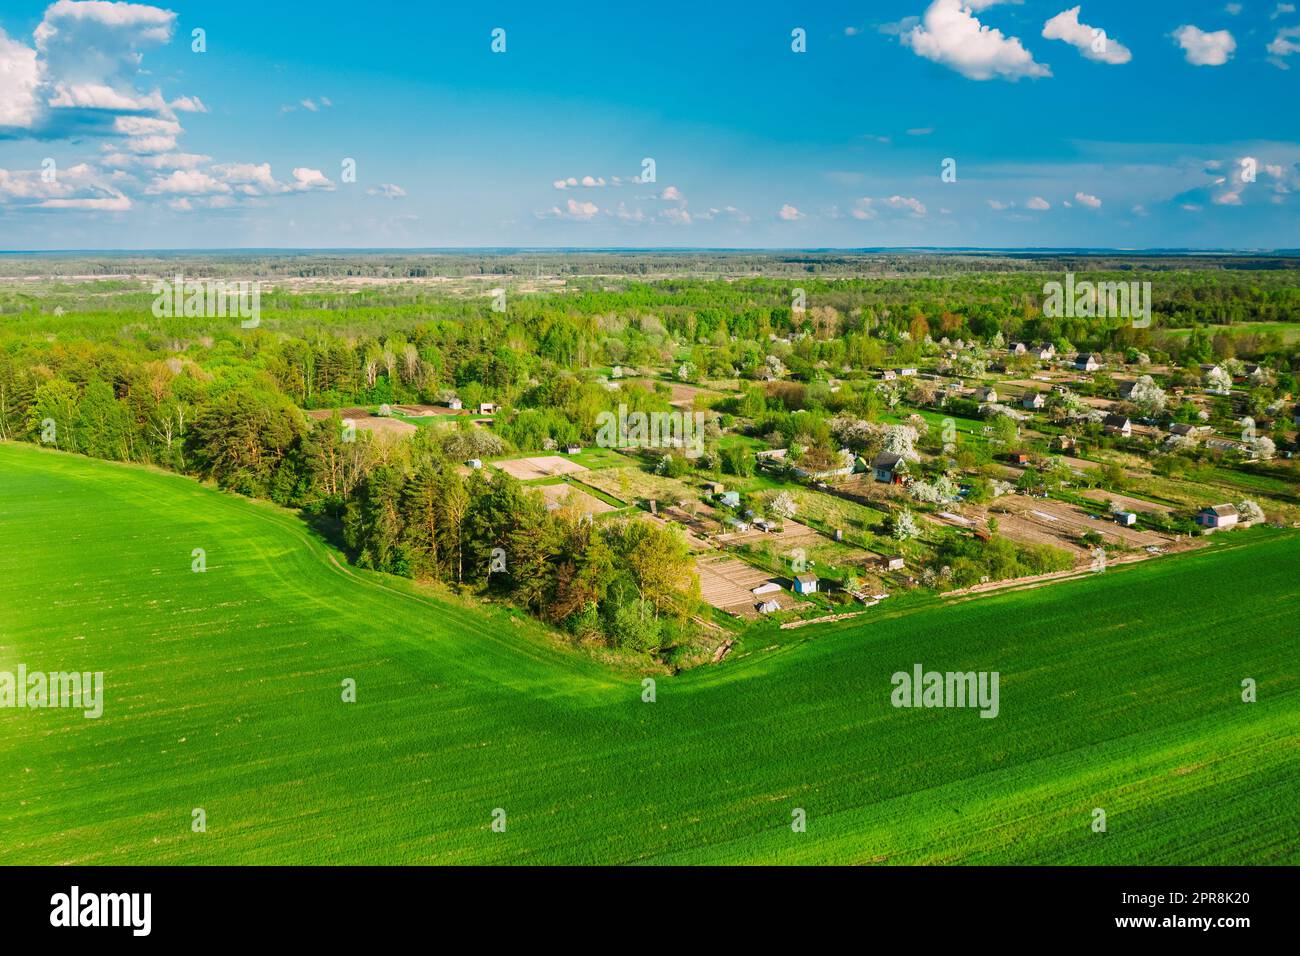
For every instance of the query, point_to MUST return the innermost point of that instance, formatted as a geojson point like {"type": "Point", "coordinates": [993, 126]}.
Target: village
{"type": "Point", "coordinates": [1079, 461]}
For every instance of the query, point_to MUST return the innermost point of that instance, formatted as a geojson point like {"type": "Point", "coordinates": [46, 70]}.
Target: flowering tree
{"type": "Point", "coordinates": [904, 526]}
{"type": "Point", "coordinates": [1216, 379]}
{"type": "Point", "coordinates": [1250, 511]}
{"type": "Point", "coordinates": [1148, 397]}
{"type": "Point", "coordinates": [899, 440]}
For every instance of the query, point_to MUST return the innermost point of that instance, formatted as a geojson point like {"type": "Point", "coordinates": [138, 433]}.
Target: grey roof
{"type": "Point", "coordinates": [886, 460]}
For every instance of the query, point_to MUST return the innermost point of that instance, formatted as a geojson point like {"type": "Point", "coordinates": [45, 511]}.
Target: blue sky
{"type": "Point", "coordinates": [1180, 129]}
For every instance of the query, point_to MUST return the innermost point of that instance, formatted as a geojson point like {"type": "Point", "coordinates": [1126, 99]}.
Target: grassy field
{"type": "Point", "coordinates": [1119, 691]}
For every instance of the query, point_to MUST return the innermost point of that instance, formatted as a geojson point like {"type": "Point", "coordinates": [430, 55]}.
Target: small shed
{"type": "Point", "coordinates": [1127, 518]}
{"type": "Point", "coordinates": [805, 583]}
{"type": "Point", "coordinates": [474, 463]}
{"type": "Point", "coordinates": [893, 562]}
{"type": "Point", "coordinates": [769, 607]}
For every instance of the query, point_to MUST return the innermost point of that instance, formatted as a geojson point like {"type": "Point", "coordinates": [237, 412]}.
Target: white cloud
{"type": "Point", "coordinates": [1092, 202]}
{"type": "Point", "coordinates": [387, 190]}
{"type": "Point", "coordinates": [255, 175]}
{"type": "Point", "coordinates": [1038, 203]}
{"type": "Point", "coordinates": [998, 206]}
{"type": "Point", "coordinates": [186, 182]}
{"type": "Point", "coordinates": [672, 193]}
{"type": "Point", "coordinates": [1092, 42]}
{"type": "Point", "coordinates": [950, 34]}
{"type": "Point", "coordinates": [1205, 49]}
{"type": "Point", "coordinates": [1281, 46]}
{"type": "Point", "coordinates": [18, 81]}
{"type": "Point", "coordinates": [920, 131]}
{"type": "Point", "coordinates": [1281, 10]}
{"type": "Point", "coordinates": [789, 213]}
{"type": "Point", "coordinates": [79, 186]}
{"type": "Point", "coordinates": [305, 179]}
{"type": "Point", "coordinates": [1232, 9]}
{"type": "Point", "coordinates": [188, 104]}
{"type": "Point", "coordinates": [863, 208]}
{"type": "Point", "coordinates": [913, 205]}
{"type": "Point", "coordinates": [676, 215]}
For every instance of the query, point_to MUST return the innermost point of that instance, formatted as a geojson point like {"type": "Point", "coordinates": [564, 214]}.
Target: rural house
{"type": "Point", "coordinates": [1118, 425]}
{"type": "Point", "coordinates": [1087, 361]}
{"type": "Point", "coordinates": [1218, 516]}
{"type": "Point", "coordinates": [889, 468]}
{"type": "Point", "coordinates": [1033, 401]}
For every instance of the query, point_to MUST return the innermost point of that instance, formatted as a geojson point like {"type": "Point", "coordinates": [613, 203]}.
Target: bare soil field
{"type": "Point", "coordinates": [363, 420]}
{"type": "Point", "coordinates": [726, 583]}
{"type": "Point", "coordinates": [683, 396]}
{"type": "Point", "coordinates": [791, 535]}
{"type": "Point", "coordinates": [557, 496]}
{"type": "Point", "coordinates": [1039, 521]}
{"type": "Point", "coordinates": [543, 466]}
{"type": "Point", "coordinates": [1131, 504]}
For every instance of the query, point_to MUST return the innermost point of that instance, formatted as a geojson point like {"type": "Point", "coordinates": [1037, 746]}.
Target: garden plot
{"type": "Point", "coordinates": [366, 422]}
{"type": "Point", "coordinates": [792, 534]}
{"type": "Point", "coordinates": [1126, 502]}
{"type": "Point", "coordinates": [1060, 525]}
{"type": "Point", "coordinates": [558, 496]}
{"type": "Point", "coordinates": [543, 466]}
{"type": "Point", "coordinates": [727, 583]}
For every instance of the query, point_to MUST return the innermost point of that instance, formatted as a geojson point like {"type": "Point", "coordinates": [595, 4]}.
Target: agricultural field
{"type": "Point", "coordinates": [1119, 690]}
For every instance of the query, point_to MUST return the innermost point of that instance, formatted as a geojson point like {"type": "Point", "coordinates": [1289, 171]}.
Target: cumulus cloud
{"type": "Point", "coordinates": [1038, 203]}
{"type": "Point", "coordinates": [188, 182]}
{"type": "Point", "coordinates": [906, 203]}
{"type": "Point", "coordinates": [789, 213]}
{"type": "Point", "coordinates": [1092, 42]}
{"type": "Point", "coordinates": [573, 209]}
{"type": "Point", "coordinates": [950, 34]}
{"type": "Point", "coordinates": [1092, 202]}
{"type": "Point", "coordinates": [1205, 49]}
{"type": "Point", "coordinates": [18, 82]}
{"type": "Point", "coordinates": [80, 186]}
{"type": "Point", "coordinates": [672, 193]}
{"type": "Point", "coordinates": [305, 179]}
{"type": "Point", "coordinates": [387, 190]}
{"type": "Point", "coordinates": [1279, 48]}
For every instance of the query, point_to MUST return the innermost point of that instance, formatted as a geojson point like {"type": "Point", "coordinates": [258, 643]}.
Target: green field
{"type": "Point", "coordinates": [1119, 691]}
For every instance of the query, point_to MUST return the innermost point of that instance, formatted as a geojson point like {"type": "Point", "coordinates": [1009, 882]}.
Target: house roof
{"type": "Point", "coordinates": [886, 460]}
{"type": "Point", "coordinates": [1117, 421]}
{"type": "Point", "coordinates": [806, 578]}
{"type": "Point", "coordinates": [1222, 511]}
